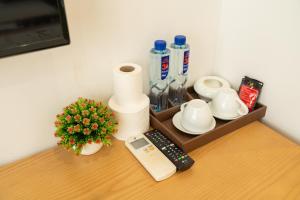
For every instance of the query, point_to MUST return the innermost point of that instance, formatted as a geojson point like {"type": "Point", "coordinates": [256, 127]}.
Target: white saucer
{"type": "Point", "coordinates": [209, 86]}
{"type": "Point", "coordinates": [177, 123]}
{"type": "Point", "coordinates": [221, 116]}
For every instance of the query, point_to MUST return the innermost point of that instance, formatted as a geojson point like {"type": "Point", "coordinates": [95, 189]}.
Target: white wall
{"type": "Point", "coordinates": [261, 39]}
{"type": "Point", "coordinates": [35, 86]}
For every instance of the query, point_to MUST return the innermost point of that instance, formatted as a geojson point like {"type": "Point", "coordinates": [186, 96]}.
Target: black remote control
{"type": "Point", "coordinates": [180, 159]}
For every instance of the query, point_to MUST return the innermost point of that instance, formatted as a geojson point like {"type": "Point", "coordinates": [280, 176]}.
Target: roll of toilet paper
{"type": "Point", "coordinates": [132, 120]}
{"type": "Point", "coordinates": [128, 84]}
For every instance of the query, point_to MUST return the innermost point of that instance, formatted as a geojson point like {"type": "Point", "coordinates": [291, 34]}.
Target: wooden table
{"type": "Point", "coordinates": [253, 162]}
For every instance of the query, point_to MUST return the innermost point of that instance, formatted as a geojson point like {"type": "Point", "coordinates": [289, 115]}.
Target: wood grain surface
{"type": "Point", "coordinates": [253, 162]}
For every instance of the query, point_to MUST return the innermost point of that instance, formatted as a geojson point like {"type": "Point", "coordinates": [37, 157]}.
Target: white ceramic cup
{"type": "Point", "coordinates": [196, 115]}
{"type": "Point", "coordinates": [228, 104]}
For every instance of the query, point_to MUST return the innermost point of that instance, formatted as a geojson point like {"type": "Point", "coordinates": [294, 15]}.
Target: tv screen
{"type": "Point", "coordinates": [28, 25]}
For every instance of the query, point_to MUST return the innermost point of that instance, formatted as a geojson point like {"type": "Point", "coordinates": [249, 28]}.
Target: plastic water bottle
{"type": "Point", "coordinates": [179, 64]}
{"type": "Point", "coordinates": [159, 69]}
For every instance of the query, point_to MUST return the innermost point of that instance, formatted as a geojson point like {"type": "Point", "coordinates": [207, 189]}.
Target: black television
{"type": "Point", "coordinates": [30, 25]}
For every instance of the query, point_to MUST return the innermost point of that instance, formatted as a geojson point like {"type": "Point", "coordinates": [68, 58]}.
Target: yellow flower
{"type": "Point", "coordinates": [86, 121]}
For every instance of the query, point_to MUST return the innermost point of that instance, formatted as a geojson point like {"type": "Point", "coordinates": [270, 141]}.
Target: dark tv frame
{"type": "Point", "coordinates": [45, 44]}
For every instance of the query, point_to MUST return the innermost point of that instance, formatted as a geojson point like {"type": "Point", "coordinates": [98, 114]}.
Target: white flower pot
{"type": "Point", "coordinates": [92, 148]}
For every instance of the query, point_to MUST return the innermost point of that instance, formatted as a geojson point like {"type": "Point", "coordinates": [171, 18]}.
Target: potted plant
{"type": "Point", "coordinates": [84, 126]}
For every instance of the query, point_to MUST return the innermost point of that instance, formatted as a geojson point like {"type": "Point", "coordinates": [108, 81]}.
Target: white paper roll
{"type": "Point", "coordinates": [128, 84]}
{"type": "Point", "coordinates": [131, 120]}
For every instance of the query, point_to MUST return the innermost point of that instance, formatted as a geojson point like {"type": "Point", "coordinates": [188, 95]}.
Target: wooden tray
{"type": "Point", "coordinates": [163, 122]}
{"type": "Point", "coordinates": [187, 97]}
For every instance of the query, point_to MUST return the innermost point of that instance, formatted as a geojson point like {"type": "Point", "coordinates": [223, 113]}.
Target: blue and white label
{"type": "Point", "coordinates": [164, 67]}
{"type": "Point", "coordinates": [186, 58]}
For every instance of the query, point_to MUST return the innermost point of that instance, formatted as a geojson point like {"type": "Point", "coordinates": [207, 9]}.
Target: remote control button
{"type": "Point", "coordinates": [151, 148]}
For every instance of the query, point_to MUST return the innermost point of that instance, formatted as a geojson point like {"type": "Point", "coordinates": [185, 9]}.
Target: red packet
{"type": "Point", "coordinates": [249, 91]}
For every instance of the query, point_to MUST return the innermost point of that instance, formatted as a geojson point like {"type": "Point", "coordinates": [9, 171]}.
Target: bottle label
{"type": "Point", "coordinates": [164, 67]}
{"type": "Point", "coordinates": [186, 58]}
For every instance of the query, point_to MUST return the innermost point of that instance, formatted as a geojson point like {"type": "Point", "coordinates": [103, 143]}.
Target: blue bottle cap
{"type": "Point", "coordinates": [180, 40]}
{"type": "Point", "coordinates": [160, 45]}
